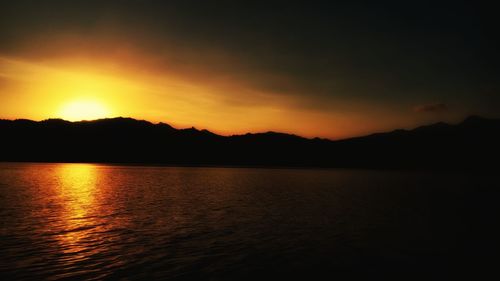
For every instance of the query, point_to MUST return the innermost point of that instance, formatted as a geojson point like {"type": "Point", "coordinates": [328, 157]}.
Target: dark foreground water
{"type": "Point", "coordinates": [85, 221]}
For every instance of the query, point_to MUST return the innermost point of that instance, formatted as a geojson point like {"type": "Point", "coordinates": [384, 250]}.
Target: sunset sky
{"type": "Point", "coordinates": [331, 69]}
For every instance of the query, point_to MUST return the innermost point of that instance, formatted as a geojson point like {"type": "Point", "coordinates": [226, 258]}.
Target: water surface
{"type": "Point", "coordinates": [87, 221]}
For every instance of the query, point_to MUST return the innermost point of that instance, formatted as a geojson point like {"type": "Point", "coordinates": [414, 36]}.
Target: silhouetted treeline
{"type": "Point", "coordinates": [474, 143]}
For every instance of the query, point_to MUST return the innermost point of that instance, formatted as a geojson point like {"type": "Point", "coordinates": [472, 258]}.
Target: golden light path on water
{"type": "Point", "coordinates": [99, 218]}
{"type": "Point", "coordinates": [77, 187]}
{"type": "Point", "coordinates": [85, 223]}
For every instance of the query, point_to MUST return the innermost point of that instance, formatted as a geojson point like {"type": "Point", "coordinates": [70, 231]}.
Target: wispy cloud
{"type": "Point", "coordinates": [432, 107]}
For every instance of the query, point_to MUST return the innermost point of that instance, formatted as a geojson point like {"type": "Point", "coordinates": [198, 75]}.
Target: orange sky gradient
{"type": "Point", "coordinates": [80, 88]}
{"type": "Point", "coordinates": [335, 71]}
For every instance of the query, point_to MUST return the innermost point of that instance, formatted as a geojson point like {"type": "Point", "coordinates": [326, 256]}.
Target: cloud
{"type": "Point", "coordinates": [432, 107]}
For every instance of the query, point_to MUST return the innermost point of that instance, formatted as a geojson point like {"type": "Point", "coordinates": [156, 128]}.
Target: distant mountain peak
{"type": "Point", "coordinates": [474, 119]}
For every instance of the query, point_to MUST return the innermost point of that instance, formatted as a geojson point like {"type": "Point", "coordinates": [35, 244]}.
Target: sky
{"type": "Point", "coordinates": [331, 69]}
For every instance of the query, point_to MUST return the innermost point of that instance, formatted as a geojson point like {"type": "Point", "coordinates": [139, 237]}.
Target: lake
{"type": "Point", "coordinates": [91, 221]}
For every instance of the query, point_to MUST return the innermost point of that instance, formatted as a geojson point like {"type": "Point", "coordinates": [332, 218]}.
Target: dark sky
{"type": "Point", "coordinates": [418, 60]}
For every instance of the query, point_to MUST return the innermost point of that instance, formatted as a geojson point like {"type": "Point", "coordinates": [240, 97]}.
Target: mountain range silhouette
{"type": "Point", "coordinates": [471, 144]}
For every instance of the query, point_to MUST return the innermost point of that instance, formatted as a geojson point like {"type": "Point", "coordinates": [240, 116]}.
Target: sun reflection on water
{"type": "Point", "coordinates": [77, 187]}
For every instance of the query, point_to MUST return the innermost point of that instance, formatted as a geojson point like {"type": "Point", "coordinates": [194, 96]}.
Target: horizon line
{"type": "Point", "coordinates": [249, 133]}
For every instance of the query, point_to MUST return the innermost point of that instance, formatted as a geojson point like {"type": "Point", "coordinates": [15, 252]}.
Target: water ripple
{"type": "Point", "coordinates": [94, 222]}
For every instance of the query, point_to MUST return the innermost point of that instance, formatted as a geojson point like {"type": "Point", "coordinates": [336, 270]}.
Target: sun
{"type": "Point", "coordinates": [84, 110]}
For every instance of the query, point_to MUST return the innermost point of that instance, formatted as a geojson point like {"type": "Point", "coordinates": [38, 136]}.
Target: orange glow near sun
{"type": "Point", "coordinates": [84, 110]}
{"type": "Point", "coordinates": [74, 89]}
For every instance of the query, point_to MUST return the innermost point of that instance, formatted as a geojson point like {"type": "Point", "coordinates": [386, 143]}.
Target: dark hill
{"type": "Point", "coordinates": [470, 144]}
